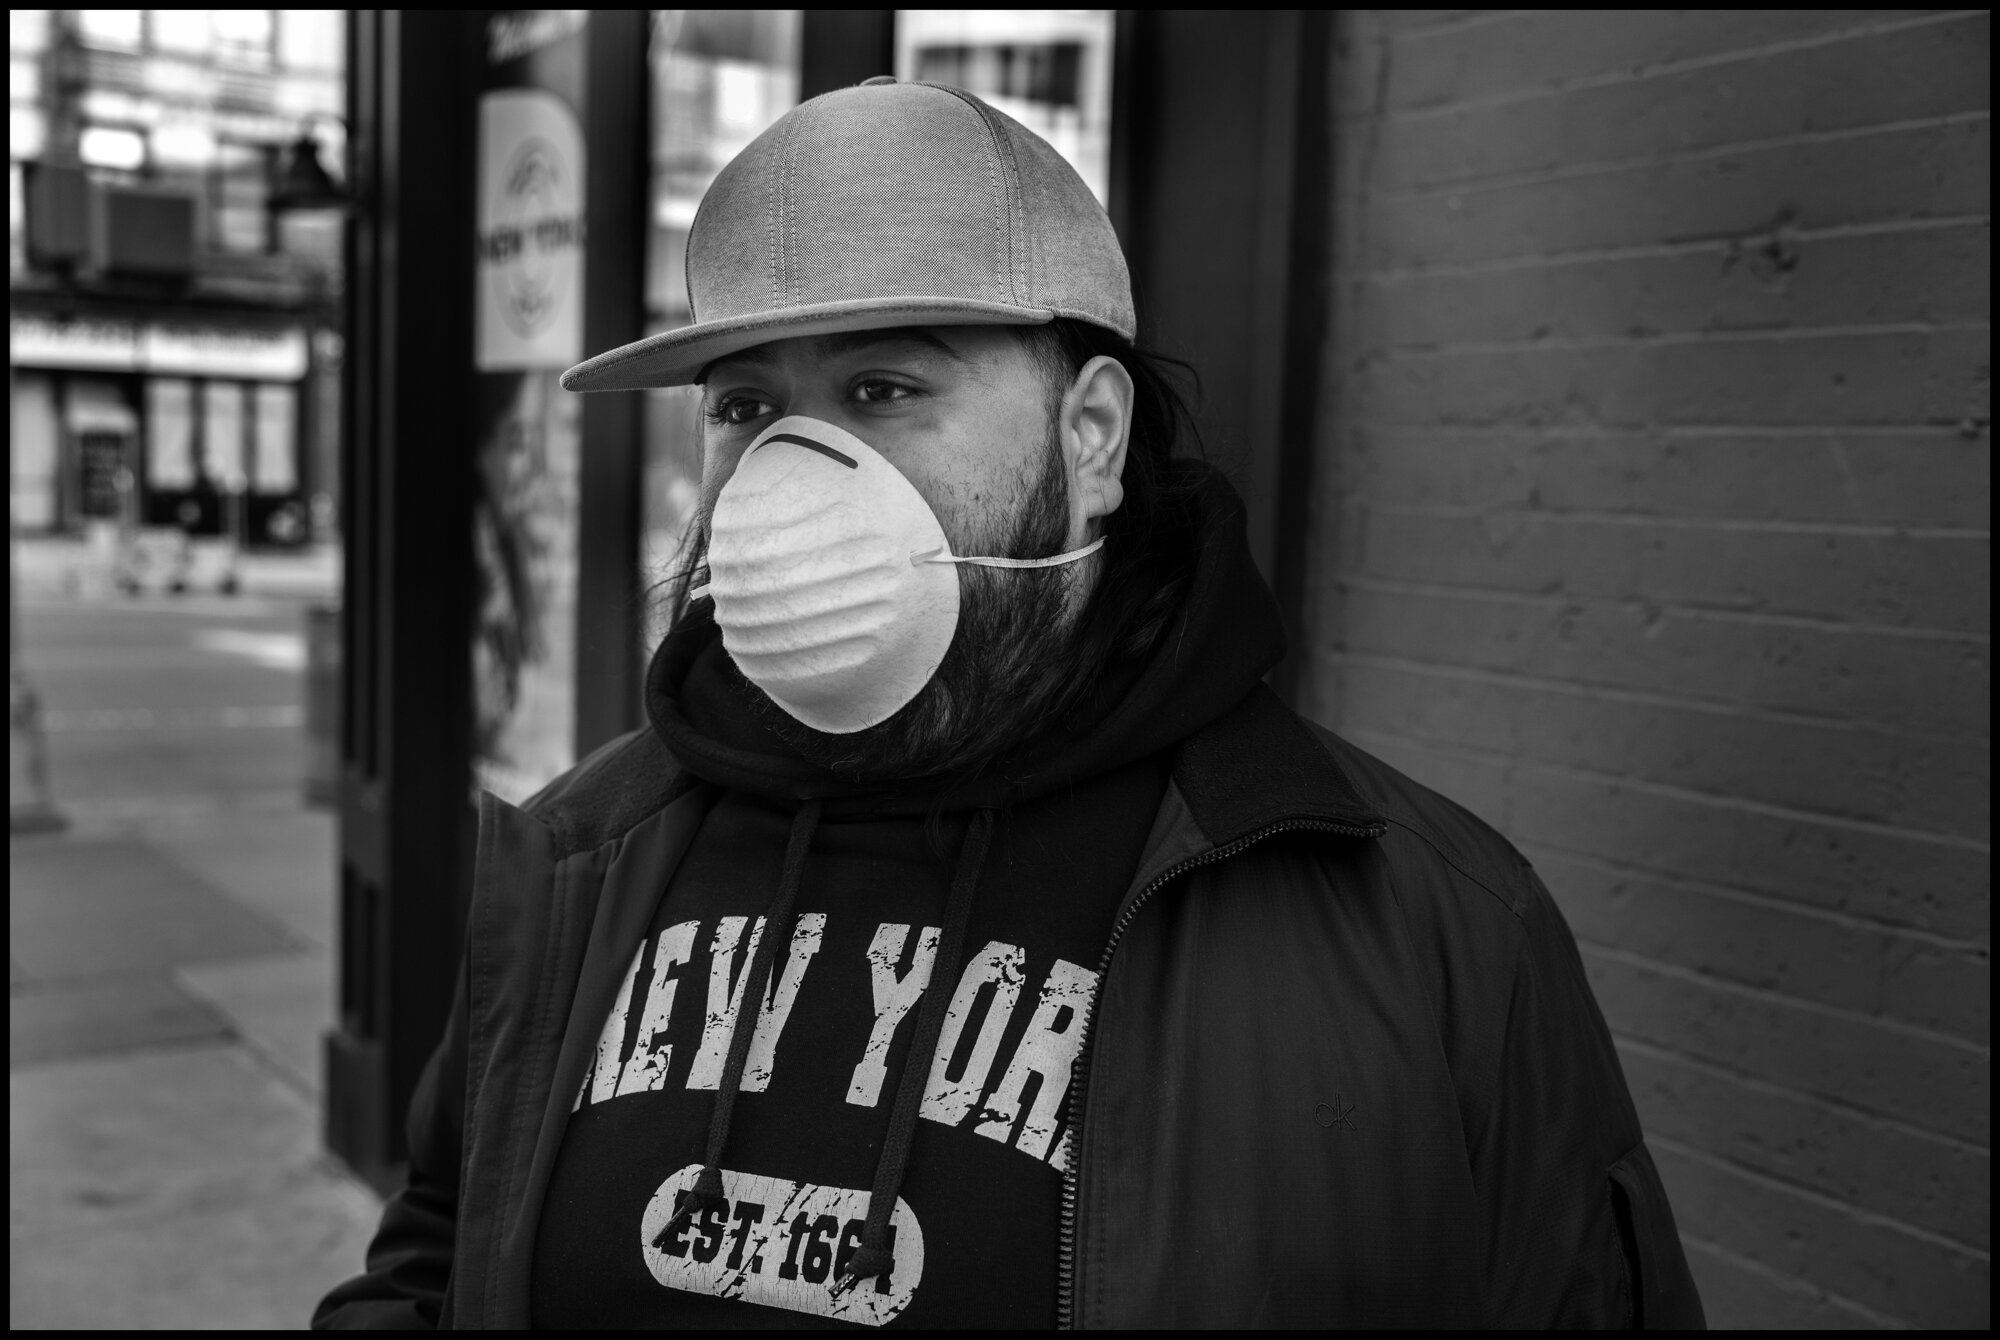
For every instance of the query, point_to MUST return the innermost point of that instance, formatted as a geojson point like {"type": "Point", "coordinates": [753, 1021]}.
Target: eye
{"type": "Point", "coordinates": [735, 410]}
{"type": "Point", "coordinates": [877, 391]}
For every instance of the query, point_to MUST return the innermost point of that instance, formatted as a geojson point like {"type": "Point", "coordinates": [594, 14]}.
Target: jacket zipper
{"type": "Point", "coordinates": [1066, 1268]}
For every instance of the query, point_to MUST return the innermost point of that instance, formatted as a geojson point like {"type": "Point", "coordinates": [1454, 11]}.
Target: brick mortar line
{"type": "Point", "coordinates": [1517, 422]}
{"type": "Point", "coordinates": [1611, 166]}
{"type": "Point", "coordinates": [1599, 516]}
{"type": "Point", "coordinates": [1766, 996]}
{"type": "Point", "coordinates": [1691, 431]}
{"type": "Point", "coordinates": [1720, 614]}
{"type": "Point", "coordinates": [1657, 250]}
{"type": "Point", "coordinates": [1478, 19]}
{"type": "Point", "coordinates": [1666, 338]}
{"type": "Point", "coordinates": [1758, 1084]}
{"type": "Point", "coordinates": [1518, 763]}
{"type": "Point", "coordinates": [1861, 1213]}
{"type": "Point", "coordinates": [1638, 74]}
{"type": "Point", "coordinates": [1762, 808]}
{"type": "Point", "coordinates": [1806, 911]}
{"type": "Point", "coordinates": [1797, 1284]}
{"type": "Point", "coordinates": [1618, 693]}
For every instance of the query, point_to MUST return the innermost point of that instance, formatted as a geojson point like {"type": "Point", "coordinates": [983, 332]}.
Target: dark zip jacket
{"type": "Point", "coordinates": [1343, 1067]}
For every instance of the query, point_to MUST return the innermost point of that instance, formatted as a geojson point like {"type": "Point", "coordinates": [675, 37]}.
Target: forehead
{"type": "Point", "coordinates": [965, 347]}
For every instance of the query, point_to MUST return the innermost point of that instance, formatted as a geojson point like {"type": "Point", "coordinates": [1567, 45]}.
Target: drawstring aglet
{"type": "Point", "coordinates": [866, 1263]}
{"type": "Point", "coordinates": [705, 1193]}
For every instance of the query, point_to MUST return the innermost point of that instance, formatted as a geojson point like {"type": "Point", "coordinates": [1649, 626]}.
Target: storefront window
{"type": "Point", "coordinates": [27, 29]}
{"type": "Point", "coordinates": [275, 455]}
{"type": "Point", "coordinates": [184, 31]}
{"type": "Point", "coordinates": [237, 186]}
{"type": "Point", "coordinates": [118, 29]}
{"type": "Point", "coordinates": [112, 147]}
{"type": "Point", "coordinates": [243, 36]}
{"type": "Point", "coordinates": [32, 449]}
{"type": "Point", "coordinates": [1049, 69]}
{"type": "Point", "coordinates": [169, 433]}
{"type": "Point", "coordinates": [312, 39]}
{"type": "Point", "coordinates": [27, 130]}
{"type": "Point", "coordinates": [720, 78]}
{"type": "Point", "coordinates": [221, 433]}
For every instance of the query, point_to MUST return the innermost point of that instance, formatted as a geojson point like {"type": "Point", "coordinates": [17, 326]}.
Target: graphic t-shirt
{"type": "Point", "coordinates": [976, 1219]}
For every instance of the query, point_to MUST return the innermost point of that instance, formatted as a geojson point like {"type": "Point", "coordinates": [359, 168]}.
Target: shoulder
{"type": "Point", "coordinates": [1428, 826]}
{"type": "Point", "coordinates": [1261, 763]}
{"type": "Point", "coordinates": [609, 791]}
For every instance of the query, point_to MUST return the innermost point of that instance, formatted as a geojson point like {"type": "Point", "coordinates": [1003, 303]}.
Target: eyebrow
{"type": "Point", "coordinates": [842, 343]}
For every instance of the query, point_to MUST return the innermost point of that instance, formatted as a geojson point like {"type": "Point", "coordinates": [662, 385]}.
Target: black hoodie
{"type": "Point", "coordinates": [801, 1172]}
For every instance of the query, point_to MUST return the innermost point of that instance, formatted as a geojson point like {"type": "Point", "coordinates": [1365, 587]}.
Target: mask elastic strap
{"type": "Point", "coordinates": [939, 556]}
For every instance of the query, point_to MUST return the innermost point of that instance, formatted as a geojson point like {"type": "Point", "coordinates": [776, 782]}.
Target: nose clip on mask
{"type": "Point", "coordinates": [833, 581]}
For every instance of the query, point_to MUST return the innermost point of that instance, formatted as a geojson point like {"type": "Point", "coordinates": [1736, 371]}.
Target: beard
{"type": "Point", "coordinates": [1005, 677]}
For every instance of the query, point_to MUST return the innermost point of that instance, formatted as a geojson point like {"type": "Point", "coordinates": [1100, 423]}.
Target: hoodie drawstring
{"type": "Point", "coordinates": [707, 1192]}
{"type": "Point", "coordinates": [872, 1257]}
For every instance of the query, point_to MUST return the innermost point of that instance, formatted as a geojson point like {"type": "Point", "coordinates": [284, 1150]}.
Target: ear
{"type": "Point", "coordinates": [1096, 422]}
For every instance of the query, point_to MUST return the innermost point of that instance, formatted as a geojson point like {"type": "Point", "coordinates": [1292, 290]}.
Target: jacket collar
{"type": "Point", "coordinates": [1256, 765]}
{"type": "Point", "coordinates": [1259, 764]}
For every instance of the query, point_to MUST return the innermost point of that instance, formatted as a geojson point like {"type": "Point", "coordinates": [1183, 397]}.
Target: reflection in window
{"type": "Point", "coordinates": [169, 433]}
{"type": "Point", "coordinates": [311, 39]}
{"type": "Point", "coordinates": [184, 31]}
{"type": "Point", "coordinates": [27, 29]}
{"type": "Point", "coordinates": [720, 78]}
{"type": "Point", "coordinates": [27, 131]}
{"type": "Point", "coordinates": [1049, 69]}
{"type": "Point", "coordinates": [183, 144]}
{"type": "Point", "coordinates": [120, 29]}
{"type": "Point", "coordinates": [112, 147]}
{"type": "Point", "coordinates": [274, 455]}
{"type": "Point", "coordinates": [222, 433]}
{"type": "Point", "coordinates": [243, 35]}
{"type": "Point", "coordinates": [238, 180]}
{"type": "Point", "coordinates": [17, 219]}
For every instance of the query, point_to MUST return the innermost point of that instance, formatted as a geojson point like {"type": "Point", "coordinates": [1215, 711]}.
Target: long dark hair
{"type": "Point", "coordinates": [1149, 554]}
{"type": "Point", "coordinates": [1149, 551]}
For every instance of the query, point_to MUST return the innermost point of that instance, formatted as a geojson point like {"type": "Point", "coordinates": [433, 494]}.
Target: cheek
{"type": "Point", "coordinates": [976, 465]}
{"type": "Point", "coordinates": [718, 463]}
{"type": "Point", "coordinates": [959, 488]}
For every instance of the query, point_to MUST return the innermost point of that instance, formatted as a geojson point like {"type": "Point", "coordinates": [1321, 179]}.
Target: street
{"type": "Point", "coordinates": [170, 975]}
{"type": "Point", "coordinates": [161, 701]}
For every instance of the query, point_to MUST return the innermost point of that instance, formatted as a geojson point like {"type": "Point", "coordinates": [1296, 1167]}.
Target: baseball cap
{"type": "Point", "coordinates": [884, 204]}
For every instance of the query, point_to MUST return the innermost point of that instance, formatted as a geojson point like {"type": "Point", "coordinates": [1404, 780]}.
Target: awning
{"type": "Point", "coordinates": [96, 407]}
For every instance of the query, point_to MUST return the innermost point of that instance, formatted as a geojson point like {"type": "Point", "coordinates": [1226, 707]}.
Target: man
{"type": "Point", "coordinates": [970, 939]}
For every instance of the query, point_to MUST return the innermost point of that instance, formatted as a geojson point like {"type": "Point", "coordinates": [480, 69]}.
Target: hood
{"type": "Point", "coordinates": [1225, 638]}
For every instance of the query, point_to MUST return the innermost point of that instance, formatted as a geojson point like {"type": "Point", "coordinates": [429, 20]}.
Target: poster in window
{"type": "Point", "coordinates": [528, 327]}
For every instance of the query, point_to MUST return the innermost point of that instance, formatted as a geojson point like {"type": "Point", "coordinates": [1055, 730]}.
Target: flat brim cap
{"type": "Point", "coordinates": [885, 204]}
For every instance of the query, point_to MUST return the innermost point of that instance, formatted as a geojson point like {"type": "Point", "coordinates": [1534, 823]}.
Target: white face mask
{"type": "Point", "coordinates": [835, 587]}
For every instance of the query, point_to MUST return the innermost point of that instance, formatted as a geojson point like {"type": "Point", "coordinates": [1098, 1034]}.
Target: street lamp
{"type": "Point", "coordinates": [301, 181]}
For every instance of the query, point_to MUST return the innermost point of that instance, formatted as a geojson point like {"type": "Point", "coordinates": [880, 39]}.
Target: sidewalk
{"type": "Point", "coordinates": [74, 568]}
{"type": "Point", "coordinates": [170, 980]}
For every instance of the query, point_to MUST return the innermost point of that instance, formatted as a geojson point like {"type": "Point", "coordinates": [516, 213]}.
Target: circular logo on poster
{"type": "Point", "coordinates": [531, 248]}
